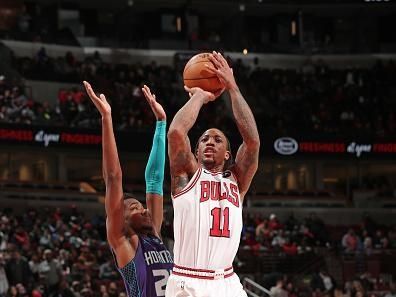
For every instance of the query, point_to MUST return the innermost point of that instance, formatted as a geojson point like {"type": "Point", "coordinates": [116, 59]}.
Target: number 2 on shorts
{"type": "Point", "coordinates": [161, 283]}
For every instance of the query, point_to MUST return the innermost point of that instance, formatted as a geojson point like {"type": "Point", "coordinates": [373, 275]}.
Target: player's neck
{"type": "Point", "coordinates": [147, 232]}
{"type": "Point", "coordinates": [213, 168]}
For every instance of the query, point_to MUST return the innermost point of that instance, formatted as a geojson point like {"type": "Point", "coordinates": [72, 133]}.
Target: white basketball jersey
{"type": "Point", "coordinates": [207, 221]}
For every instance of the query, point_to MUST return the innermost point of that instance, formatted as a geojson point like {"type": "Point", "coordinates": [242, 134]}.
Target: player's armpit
{"type": "Point", "coordinates": [125, 250]}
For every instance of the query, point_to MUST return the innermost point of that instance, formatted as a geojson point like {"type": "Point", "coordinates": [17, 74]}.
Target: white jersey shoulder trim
{"type": "Point", "coordinates": [190, 184]}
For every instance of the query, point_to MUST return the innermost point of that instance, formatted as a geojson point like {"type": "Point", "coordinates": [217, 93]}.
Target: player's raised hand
{"type": "Point", "coordinates": [100, 102]}
{"type": "Point", "coordinates": [222, 70]}
{"type": "Point", "coordinates": [207, 96]}
{"type": "Point", "coordinates": [157, 108]}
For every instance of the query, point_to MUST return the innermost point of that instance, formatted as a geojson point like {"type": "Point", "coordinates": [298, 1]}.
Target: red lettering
{"type": "Point", "coordinates": [215, 190]}
{"type": "Point", "coordinates": [234, 193]}
{"type": "Point", "coordinates": [384, 148]}
{"type": "Point", "coordinates": [18, 135]}
{"type": "Point", "coordinates": [225, 194]}
{"type": "Point", "coordinates": [319, 147]}
{"type": "Point", "coordinates": [205, 191]}
{"type": "Point", "coordinates": [80, 138]}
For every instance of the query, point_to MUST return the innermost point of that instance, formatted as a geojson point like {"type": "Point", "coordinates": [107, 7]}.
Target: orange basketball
{"type": "Point", "coordinates": [197, 75]}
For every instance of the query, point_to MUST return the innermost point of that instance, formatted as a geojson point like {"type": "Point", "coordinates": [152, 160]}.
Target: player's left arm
{"type": "Point", "coordinates": [246, 161]}
{"type": "Point", "coordinates": [154, 174]}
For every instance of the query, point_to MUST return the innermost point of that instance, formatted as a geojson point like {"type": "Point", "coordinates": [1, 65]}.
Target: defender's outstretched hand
{"type": "Point", "coordinates": [157, 108]}
{"type": "Point", "coordinates": [100, 102]}
{"type": "Point", "coordinates": [222, 70]}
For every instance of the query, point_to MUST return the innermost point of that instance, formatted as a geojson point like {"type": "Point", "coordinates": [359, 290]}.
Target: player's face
{"type": "Point", "coordinates": [212, 148]}
{"type": "Point", "coordinates": [137, 217]}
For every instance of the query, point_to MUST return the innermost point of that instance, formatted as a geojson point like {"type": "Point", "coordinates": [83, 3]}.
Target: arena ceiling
{"type": "Point", "coordinates": [228, 6]}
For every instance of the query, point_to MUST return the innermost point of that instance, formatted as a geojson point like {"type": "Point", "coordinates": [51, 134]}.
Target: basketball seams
{"type": "Point", "coordinates": [209, 77]}
{"type": "Point", "coordinates": [195, 74]}
{"type": "Point", "coordinates": [191, 64]}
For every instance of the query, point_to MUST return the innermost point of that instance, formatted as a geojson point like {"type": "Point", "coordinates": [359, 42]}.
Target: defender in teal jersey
{"type": "Point", "coordinates": [133, 231]}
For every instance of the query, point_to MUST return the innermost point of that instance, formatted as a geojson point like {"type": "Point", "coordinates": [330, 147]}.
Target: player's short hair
{"type": "Point", "coordinates": [128, 196]}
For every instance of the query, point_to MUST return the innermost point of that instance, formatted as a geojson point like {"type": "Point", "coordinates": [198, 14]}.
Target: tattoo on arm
{"type": "Point", "coordinates": [179, 183]}
{"type": "Point", "coordinates": [243, 117]}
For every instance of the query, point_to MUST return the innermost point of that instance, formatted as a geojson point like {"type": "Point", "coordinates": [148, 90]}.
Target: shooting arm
{"type": "Point", "coordinates": [182, 161]}
{"type": "Point", "coordinates": [246, 162]}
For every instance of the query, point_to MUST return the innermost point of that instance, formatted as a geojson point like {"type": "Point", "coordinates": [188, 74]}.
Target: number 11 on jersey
{"type": "Point", "coordinates": [216, 230]}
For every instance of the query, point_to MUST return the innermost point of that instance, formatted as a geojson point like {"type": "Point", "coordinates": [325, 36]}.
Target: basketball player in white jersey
{"type": "Point", "coordinates": [208, 195]}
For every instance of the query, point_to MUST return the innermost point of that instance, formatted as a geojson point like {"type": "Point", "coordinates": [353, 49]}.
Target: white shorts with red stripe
{"type": "Point", "coordinates": [189, 282]}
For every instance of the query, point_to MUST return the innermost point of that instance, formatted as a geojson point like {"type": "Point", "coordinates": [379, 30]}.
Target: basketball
{"type": "Point", "coordinates": [197, 75]}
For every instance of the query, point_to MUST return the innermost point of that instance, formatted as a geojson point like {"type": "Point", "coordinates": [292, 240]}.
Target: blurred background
{"type": "Point", "coordinates": [320, 77]}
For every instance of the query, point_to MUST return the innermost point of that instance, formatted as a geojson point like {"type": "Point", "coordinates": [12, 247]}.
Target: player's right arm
{"type": "Point", "coordinates": [112, 174]}
{"type": "Point", "coordinates": [181, 160]}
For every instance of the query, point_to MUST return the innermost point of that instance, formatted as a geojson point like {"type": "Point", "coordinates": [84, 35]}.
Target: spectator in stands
{"type": "Point", "coordinates": [392, 292]}
{"type": "Point", "coordinates": [350, 242]}
{"type": "Point", "coordinates": [107, 271]}
{"type": "Point", "coordinates": [76, 288]}
{"type": "Point", "coordinates": [380, 241]}
{"type": "Point", "coordinates": [366, 280]}
{"type": "Point", "coordinates": [50, 271]}
{"type": "Point", "coordinates": [392, 237]}
{"type": "Point", "coordinates": [279, 240]}
{"type": "Point", "coordinates": [273, 223]}
{"type": "Point", "coordinates": [17, 269]}
{"type": "Point", "coordinates": [367, 243]}
{"type": "Point", "coordinates": [64, 290]}
{"type": "Point", "coordinates": [291, 290]}
{"type": "Point", "coordinates": [357, 289]}
{"type": "Point", "coordinates": [290, 248]}
{"type": "Point", "coordinates": [338, 292]}
{"type": "Point", "coordinates": [3, 276]}
{"type": "Point", "coordinates": [278, 290]}
{"type": "Point", "coordinates": [34, 265]}
{"type": "Point", "coordinates": [323, 282]}
{"type": "Point", "coordinates": [112, 291]}
{"type": "Point", "coordinates": [262, 231]}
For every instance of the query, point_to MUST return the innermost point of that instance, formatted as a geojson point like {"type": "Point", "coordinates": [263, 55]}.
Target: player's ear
{"type": "Point", "coordinates": [227, 155]}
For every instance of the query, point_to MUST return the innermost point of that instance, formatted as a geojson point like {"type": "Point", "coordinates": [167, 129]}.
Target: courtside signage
{"type": "Point", "coordinates": [288, 146]}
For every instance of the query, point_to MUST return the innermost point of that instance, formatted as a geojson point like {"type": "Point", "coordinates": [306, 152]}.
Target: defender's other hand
{"type": "Point", "coordinates": [157, 108]}
{"type": "Point", "coordinates": [100, 102]}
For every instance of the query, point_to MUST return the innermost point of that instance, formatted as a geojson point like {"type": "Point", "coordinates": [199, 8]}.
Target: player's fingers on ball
{"type": "Point", "coordinates": [215, 62]}
{"type": "Point", "coordinates": [217, 57]}
{"type": "Point", "coordinates": [212, 58]}
{"type": "Point", "coordinates": [210, 68]}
